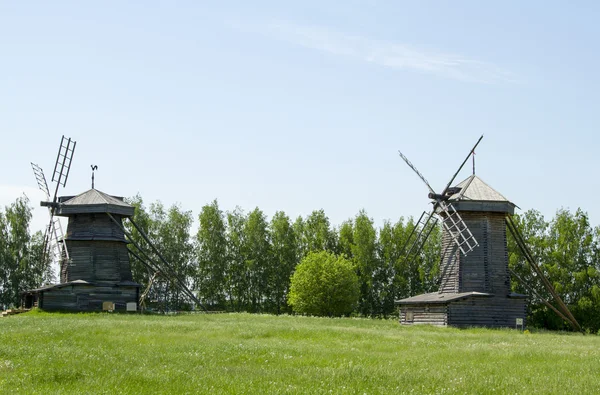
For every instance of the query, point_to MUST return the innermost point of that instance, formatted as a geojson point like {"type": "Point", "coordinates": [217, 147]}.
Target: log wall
{"type": "Point", "coordinates": [432, 314]}
{"type": "Point", "coordinates": [94, 261]}
{"type": "Point", "coordinates": [491, 312]}
{"type": "Point", "coordinates": [84, 297]}
{"type": "Point", "coordinates": [94, 227]}
{"type": "Point", "coordinates": [97, 250]}
{"type": "Point", "coordinates": [485, 269]}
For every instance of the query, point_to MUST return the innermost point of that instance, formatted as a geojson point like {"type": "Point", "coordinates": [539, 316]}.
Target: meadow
{"type": "Point", "coordinates": [263, 354]}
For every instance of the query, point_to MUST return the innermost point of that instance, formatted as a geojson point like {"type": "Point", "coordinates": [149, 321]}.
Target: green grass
{"type": "Point", "coordinates": [260, 354]}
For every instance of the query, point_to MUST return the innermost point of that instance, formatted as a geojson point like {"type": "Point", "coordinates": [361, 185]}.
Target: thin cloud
{"type": "Point", "coordinates": [388, 54]}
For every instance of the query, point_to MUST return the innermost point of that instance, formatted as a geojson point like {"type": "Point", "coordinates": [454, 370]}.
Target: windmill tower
{"type": "Point", "coordinates": [95, 270]}
{"type": "Point", "coordinates": [474, 287]}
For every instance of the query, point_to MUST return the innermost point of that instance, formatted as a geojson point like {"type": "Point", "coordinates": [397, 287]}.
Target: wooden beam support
{"type": "Point", "coordinates": [534, 266]}
{"type": "Point", "coordinates": [170, 272]}
{"type": "Point", "coordinates": [530, 288]}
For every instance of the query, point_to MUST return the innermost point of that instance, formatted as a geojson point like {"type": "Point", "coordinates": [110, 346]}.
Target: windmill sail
{"type": "Point", "coordinates": [53, 234]}
{"type": "Point", "coordinates": [456, 227]}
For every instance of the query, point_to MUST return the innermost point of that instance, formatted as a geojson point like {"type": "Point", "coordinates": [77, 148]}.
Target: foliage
{"type": "Point", "coordinates": [317, 233]}
{"type": "Point", "coordinates": [237, 279]}
{"type": "Point", "coordinates": [196, 353]}
{"type": "Point", "coordinates": [284, 254]}
{"type": "Point", "coordinates": [141, 273]}
{"type": "Point", "coordinates": [168, 229]}
{"type": "Point", "coordinates": [241, 261]}
{"type": "Point", "coordinates": [211, 253]}
{"type": "Point", "coordinates": [567, 249]}
{"type": "Point", "coordinates": [324, 285]}
{"type": "Point", "coordinates": [256, 251]}
{"type": "Point", "coordinates": [23, 264]}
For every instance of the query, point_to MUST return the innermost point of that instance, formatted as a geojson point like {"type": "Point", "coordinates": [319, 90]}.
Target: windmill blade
{"type": "Point", "coordinates": [60, 175]}
{"type": "Point", "coordinates": [457, 228]}
{"type": "Point", "coordinates": [46, 246]}
{"type": "Point", "coordinates": [41, 179]}
{"type": "Point", "coordinates": [53, 239]}
{"type": "Point", "coordinates": [461, 166]}
{"type": "Point", "coordinates": [419, 234]}
{"type": "Point", "coordinates": [63, 163]}
{"type": "Point", "coordinates": [534, 266]}
{"type": "Point", "coordinates": [416, 171]}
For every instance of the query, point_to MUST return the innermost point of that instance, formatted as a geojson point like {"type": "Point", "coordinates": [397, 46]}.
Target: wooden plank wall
{"type": "Point", "coordinates": [485, 269]}
{"type": "Point", "coordinates": [96, 261]}
{"type": "Point", "coordinates": [472, 272]}
{"type": "Point", "coordinates": [97, 248]}
{"type": "Point", "coordinates": [449, 265]}
{"type": "Point", "coordinates": [94, 227]}
{"type": "Point", "coordinates": [499, 274]}
{"type": "Point", "coordinates": [490, 312]}
{"type": "Point", "coordinates": [87, 297]}
{"type": "Point", "coordinates": [432, 314]}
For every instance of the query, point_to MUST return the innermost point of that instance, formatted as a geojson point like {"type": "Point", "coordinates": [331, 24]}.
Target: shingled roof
{"type": "Point", "coordinates": [476, 195]}
{"type": "Point", "coordinates": [436, 297]}
{"type": "Point", "coordinates": [93, 201]}
{"type": "Point", "coordinates": [474, 188]}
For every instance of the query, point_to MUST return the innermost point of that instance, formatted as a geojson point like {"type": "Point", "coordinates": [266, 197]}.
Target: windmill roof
{"type": "Point", "coordinates": [435, 297]}
{"type": "Point", "coordinates": [94, 196]}
{"type": "Point", "coordinates": [94, 201]}
{"type": "Point", "coordinates": [474, 188]}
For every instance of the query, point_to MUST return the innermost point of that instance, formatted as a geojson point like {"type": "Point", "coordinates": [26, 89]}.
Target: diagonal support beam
{"type": "Point", "coordinates": [533, 291]}
{"type": "Point", "coordinates": [170, 272]}
{"type": "Point", "coordinates": [534, 266]}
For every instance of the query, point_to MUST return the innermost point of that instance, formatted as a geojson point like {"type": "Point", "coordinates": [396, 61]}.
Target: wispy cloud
{"type": "Point", "coordinates": [389, 54]}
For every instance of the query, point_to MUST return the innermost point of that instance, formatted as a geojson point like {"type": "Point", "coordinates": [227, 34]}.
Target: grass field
{"type": "Point", "coordinates": [260, 354]}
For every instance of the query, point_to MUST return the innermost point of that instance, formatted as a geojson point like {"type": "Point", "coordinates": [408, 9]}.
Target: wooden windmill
{"type": "Point", "coordinates": [474, 287]}
{"type": "Point", "coordinates": [95, 270]}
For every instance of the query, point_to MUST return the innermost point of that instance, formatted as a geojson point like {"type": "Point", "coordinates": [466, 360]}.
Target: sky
{"type": "Point", "coordinates": [300, 106]}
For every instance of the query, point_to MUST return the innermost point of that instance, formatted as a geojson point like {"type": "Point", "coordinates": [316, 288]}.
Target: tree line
{"type": "Point", "coordinates": [23, 264]}
{"type": "Point", "coordinates": [243, 261]}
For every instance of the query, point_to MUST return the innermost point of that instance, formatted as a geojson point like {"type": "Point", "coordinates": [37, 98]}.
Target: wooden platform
{"type": "Point", "coordinates": [8, 312]}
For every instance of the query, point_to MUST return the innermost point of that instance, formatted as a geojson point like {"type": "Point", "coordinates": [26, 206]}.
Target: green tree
{"type": "Point", "coordinates": [325, 285]}
{"type": "Point", "coordinates": [236, 278]}
{"type": "Point", "coordinates": [211, 253]}
{"type": "Point", "coordinates": [299, 227]}
{"type": "Point", "coordinates": [346, 238]}
{"type": "Point", "coordinates": [171, 233]}
{"type": "Point", "coordinates": [284, 250]}
{"type": "Point", "coordinates": [257, 254]}
{"type": "Point", "coordinates": [571, 265]}
{"type": "Point", "coordinates": [23, 264]}
{"type": "Point", "coordinates": [317, 233]}
{"type": "Point", "coordinates": [371, 275]}
{"type": "Point", "coordinates": [566, 249]}
{"type": "Point", "coordinates": [140, 272]}
{"type": "Point", "coordinates": [429, 262]}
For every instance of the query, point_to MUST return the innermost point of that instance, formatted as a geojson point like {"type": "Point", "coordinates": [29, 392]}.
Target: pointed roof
{"type": "Point", "coordinates": [94, 196]}
{"type": "Point", "coordinates": [474, 194]}
{"type": "Point", "coordinates": [474, 188]}
{"type": "Point", "coordinates": [93, 201]}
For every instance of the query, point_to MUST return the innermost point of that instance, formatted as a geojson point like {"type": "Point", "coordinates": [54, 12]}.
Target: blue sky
{"type": "Point", "coordinates": [303, 106]}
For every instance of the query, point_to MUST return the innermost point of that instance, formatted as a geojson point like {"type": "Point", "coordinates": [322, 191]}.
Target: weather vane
{"type": "Point", "coordinates": [94, 168]}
